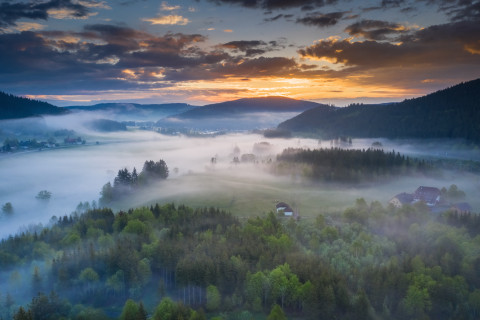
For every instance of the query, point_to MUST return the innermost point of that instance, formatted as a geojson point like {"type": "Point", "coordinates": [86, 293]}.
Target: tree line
{"type": "Point", "coordinates": [127, 182]}
{"type": "Point", "coordinates": [348, 165]}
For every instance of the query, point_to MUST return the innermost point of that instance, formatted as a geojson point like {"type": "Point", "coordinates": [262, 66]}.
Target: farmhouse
{"type": "Point", "coordinates": [400, 199]}
{"type": "Point", "coordinates": [285, 209]}
{"type": "Point", "coordinates": [430, 195]}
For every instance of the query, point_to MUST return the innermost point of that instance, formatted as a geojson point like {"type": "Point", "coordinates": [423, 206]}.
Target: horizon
{"type": "Point", "coordinates": [340, 102]}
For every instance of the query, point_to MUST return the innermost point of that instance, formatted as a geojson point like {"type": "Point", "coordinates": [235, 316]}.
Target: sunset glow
{"type": "Point", "coordinates": [208, 51]}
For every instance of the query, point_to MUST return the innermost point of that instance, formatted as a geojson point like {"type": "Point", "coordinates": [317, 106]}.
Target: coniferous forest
{"type": "Point", "coordinates": [344, 165]}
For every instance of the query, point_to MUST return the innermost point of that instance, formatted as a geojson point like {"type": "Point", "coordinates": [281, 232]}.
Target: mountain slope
{"type": "Point", "coordinates": [249, 105]}
{"type": "Point", "coordinates": [448, 113]}
{"type": "Point", "coordinates": [13, 107]}
{"type": "Point", "coordinates": [136, 110]}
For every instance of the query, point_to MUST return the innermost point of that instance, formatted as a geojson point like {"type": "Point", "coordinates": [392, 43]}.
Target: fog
{"type": "Point", "coordinates": [77, 174]}
{"type": "Point", "coordinates": [240, 122]}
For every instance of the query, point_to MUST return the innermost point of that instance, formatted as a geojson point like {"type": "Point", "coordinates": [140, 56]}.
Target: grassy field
{"type": "Point", "coordinates": [257, 193]}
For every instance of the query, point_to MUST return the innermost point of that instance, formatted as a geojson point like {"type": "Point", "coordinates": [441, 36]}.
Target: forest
{"type": "Point", "coordinates": [127, 183]}
{"type": "Point", "coordinates": [13, 107]}
{"type": "Point", "coordinates": [349, 165]}
{"type": "Point", "coordinates": [454, 111]}
{"type": "Point", "coordinates": [175, 262]}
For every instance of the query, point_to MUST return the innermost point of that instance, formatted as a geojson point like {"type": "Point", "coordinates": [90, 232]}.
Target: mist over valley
{"type": "Point", "coordinates": [85, 216]}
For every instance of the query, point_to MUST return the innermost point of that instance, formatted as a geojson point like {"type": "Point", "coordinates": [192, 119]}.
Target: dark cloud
{"type": "Point", "coordinates": [392, 3]}
{"type": "Point", "coordinates": [448, 44]}
{"type": "Point", "coordinates": [116, 57]}
{"type": "Point", "coordinates": [240, 68]}
{"type": "Point", "coordinates": [318, 19]}
{"type": "Point", "coordinates": [465, 10]}
{"type": "Point", "coordinates": [252, 47]}
{"type": "Point", "coordinates": [130, 2]}
{"type": "Point", "coordinates": [96, 56]}
{"type": "Point", "coordinates": [285, 16]}
{"type": "Point", "coordinates": [278, 4]}
{"type": "Point", "coordinates": [244, 45]}
{"type": "Point", "coordinates": [12, 11]}
{"type": "Point", "coordinates": [374, 29]}
{"type": "Point", "coordinates": [308, 8]}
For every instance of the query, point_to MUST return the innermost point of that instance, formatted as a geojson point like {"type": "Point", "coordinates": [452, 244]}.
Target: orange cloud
{"type": "Point", "coordinates": [168, 20]}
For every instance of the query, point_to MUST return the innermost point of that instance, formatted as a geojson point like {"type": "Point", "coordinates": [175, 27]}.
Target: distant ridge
{"type": "Point", "coordinates": [13, 107]}
{"type": "Point", "coordinates": [249, 105]}
{"type": "Point", "coordinates": [154, 111]}
{"type": "Point", "coordinates": [450, 113]}
{"type": "Point", "coordinates": [126, 107]}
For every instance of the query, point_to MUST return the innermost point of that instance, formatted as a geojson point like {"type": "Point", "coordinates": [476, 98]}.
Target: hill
{"type": "Point", "coordinates": [450, 113]}
{"type": "Point", "coordinates": [135, 110]}
{"type": "Point", "coordinates": [13, 107]}
{"type": "Point", "coordinates": [249, 105]}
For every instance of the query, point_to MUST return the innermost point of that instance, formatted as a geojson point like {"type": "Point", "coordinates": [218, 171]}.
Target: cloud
{"type": "Point", "coordinates": [321, 20]}
{"type": "Point", "coordinates": [94, 58]}
{"type": "Point", "coordinates": [166, 7]}
{"type": "Point", "coordinates": [238, 68]}
{"type": "Point", "coordinates": [464, 10]}
{"type": "Point", "coordinates": [448, 53]}
{"type": "Point", "coordinates": [275, 18]}
{"type": "Point", "coordinates": [440, 44]}
{"type": "Point", "coordinates": [25, 26]}
{"type": "Point", "coordinates": [277, 4]}
{"type": "Point", "coordinates": [12, 11]}
{"type": "Point", "coordinates": [94, 4]}
{"type": "Point", "coordinates": [252, 47]}
{"type": "Point", "coordinates": [228, 30]}
{"type": "Point", "coordinates": [168, 20]}
{"type": "Point", "coordinates": [375, 29]}
{"type": "Point", "coordinates": [68, 13]}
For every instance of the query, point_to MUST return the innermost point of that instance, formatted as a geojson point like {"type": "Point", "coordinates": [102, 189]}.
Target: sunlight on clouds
{"type": "Point", "coordinates": [473, 49]}
{"type": "Point", "coordinates": [66, 13]}
{"type": "Point", "coordinates": [166, 7]}
{"type": "Point", "coordinates": [28, 26]}
{"type": "Point", "coordinates": [90, 4]}
{"type": "Point", "coordinates": [298, 88]}
{"type": "Point", "coordinates": [168, 20]}
{"type": "Point", "coordinates": [129, 73]}
{"type": "Point", "coordinates": [204, 92]}
{"type": "Point", "coordinates": [228, 30]}
{"type": "Point", "coordinates": [109, 60]}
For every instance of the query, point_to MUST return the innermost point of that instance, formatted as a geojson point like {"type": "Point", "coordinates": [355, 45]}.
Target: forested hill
{"type": "Point", "coordinates": [249, 105]}
{"type": "Point", "coordinates": [138, 110]}
{"type": "Point", "coordinates": [13, 107]}
{"type": "Point", "coordinates": [449, 113]}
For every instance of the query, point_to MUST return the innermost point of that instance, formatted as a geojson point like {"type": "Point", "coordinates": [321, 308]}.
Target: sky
{"type": "Point", "coordinates": [82, 52]}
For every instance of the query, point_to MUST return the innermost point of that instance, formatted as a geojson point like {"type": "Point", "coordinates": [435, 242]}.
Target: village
{"type": "Point", "coordinates": [437, 200]}
{"type": "Point", "coordinates": [14, 145]}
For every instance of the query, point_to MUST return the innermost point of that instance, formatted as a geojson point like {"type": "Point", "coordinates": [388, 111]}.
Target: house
{"type": "Point", "coordinates": [248, 157]}
{"type": "Point", "coordinates": [400, 199]}
{"type": "Point", "coordinates": [69, 140]}
{"type": "Point", "coordinates": [461, 208]}
{"type": "Point", "coordinates": [285, 209]}
{"type": "Point", "coordinates": [430, 195]}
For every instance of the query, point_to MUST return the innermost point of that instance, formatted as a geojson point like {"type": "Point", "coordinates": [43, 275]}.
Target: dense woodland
{"type": "Point", "coordinates": [348, 165]}
{"type": "Point", "coordinates": [449, 113]}
{"type": "Point", "coordinates": [13, 107]}
{"type": "Point", "coordinates": [175, 262]}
